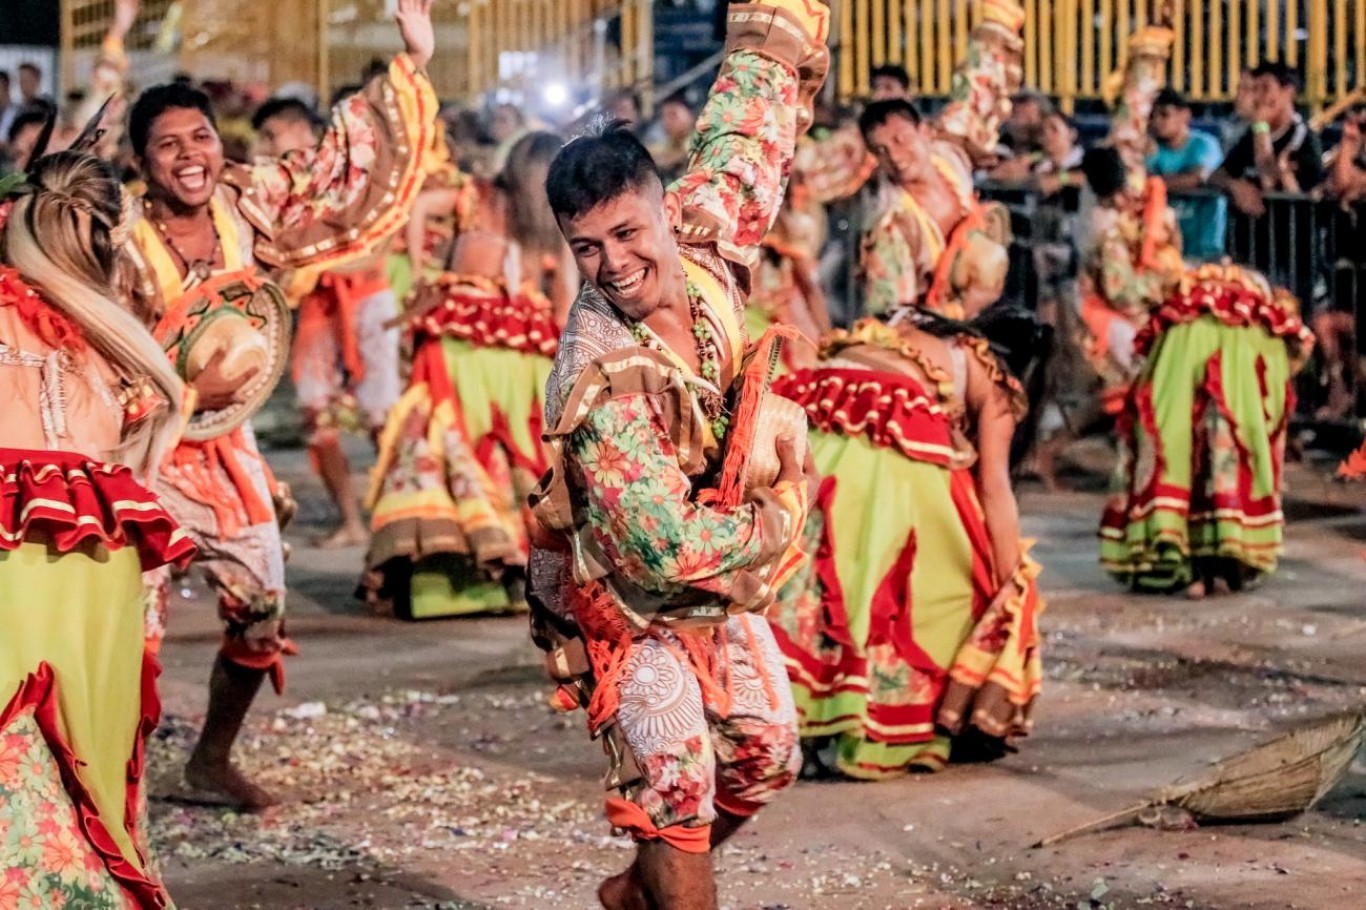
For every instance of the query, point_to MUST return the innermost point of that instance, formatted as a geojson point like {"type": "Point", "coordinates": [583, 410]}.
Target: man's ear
{"type": "Point", "coordinates": [673, 211]}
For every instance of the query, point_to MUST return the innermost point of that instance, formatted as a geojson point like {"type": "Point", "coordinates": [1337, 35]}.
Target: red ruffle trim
{"type": "Point", "coordinates": [72, 499]}
{"type": "Point", "coordinates": [891, 411]}
{"type": "Point", "coordinates": [51, 327]}
{"type": "Point", "coordinates": [490, 318]}
{"type": "Point", "coordinates": [39, 692]}
{"type": "Point", "coordinates": [1233, 303]}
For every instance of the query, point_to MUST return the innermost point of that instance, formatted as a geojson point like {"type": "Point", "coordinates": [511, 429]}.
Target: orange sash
{"type": "Point", "coordinates": [332, 307]}
{"type": "Point", "coordinates": [941, 284]}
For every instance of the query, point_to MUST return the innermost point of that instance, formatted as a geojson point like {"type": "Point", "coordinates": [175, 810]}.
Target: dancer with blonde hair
{"type": "Point", "coordinates": [90, 409]}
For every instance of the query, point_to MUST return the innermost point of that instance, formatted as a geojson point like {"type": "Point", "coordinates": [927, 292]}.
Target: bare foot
{"type": "Point", "coordinates": [345, 536]}
{"type": "Point", "coordinates": [1339, 403]}
{"type": "Point", "coordinates": [1196, 591]}
{"type": "Point", "coordinates": [623, 892]}
{"type": "Point", "coordinates": [227, 786]}
{"type": "Point", "coordinates": [1221, 587]}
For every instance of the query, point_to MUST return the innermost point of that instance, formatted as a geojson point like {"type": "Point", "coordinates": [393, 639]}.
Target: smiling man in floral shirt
{"type": "Point", "coordinates": [646, 583]}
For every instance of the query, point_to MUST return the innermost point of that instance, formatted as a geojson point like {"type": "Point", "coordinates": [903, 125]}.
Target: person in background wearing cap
{"type": "Point", "coordinates": [1185, 159]}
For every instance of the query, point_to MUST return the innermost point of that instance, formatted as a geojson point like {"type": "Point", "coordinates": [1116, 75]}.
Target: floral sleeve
{"type": "Point", "coordinates": [746, 134]}
{"type": "Point", "coordinates": [1126, 285]}
{"type": "Point", "coordinates": [888, 264]}
{"type": "Point", "coordinates": [640, 512]}
{"type": "Point", "coordinates": [1142, 79]}
{"type": "Point", "coordinates": [983, 81]}
{"type": "Point", "coordinates": [335, 204]}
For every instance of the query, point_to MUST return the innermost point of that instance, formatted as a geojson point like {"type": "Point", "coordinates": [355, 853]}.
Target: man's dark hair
{"type": "Point", "coordinates": [598, 168]}
{"type": "Point", "coordinates": [893, 71]}
{"type": "Point", "coordinates": [32, 116]}
{"type": "Point", "coordinates": [879, 112]}
{"type": "Point", "coordinates": [4, 77]}
{"type": "Point", "coordinates": [1104, 171]}
{"type": "Point", "coordinates": [33, 68]}
{"type": "Point", "coordinates": [344, 92]}
{"type": "Point", "coordinates": [679, 97]}
{"type": "Point", "coordinates": [156, 101]}
{"type": "Point", "coordinates": [377, 67]}
{"type": "Point", "coordinates": [1170, 97]}
{"type": "Point", "coordinates": [291, 110]}
{"type": "Point", "coordinates": [1285, 75]}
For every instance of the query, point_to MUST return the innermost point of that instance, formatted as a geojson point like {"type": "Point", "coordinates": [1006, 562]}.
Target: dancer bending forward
{"type": "Point", "coordinates": [913, 635]}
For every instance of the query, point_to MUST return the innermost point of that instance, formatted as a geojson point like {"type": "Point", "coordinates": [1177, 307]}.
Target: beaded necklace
{"type": "Point", "coordinates": [704, 333]}
{"type": "Point", "coordinates": [200, 268]}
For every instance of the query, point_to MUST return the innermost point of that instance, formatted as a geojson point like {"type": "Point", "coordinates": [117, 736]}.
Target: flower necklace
{"type": "Point", "coordinates": [200, 268]}
{"type": "Point", "coordinates": [704, 334]}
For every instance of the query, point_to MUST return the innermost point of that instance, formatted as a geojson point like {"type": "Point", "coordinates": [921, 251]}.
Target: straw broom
{"type": "Point", "coordinates": [1270, 782]}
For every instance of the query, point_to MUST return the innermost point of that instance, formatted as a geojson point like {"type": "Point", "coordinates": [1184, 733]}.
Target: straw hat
{"type": "Point", "coordinates": [231, 335]}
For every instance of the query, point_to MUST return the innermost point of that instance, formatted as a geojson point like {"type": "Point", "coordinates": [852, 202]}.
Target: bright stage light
{"type": "Point", "coordinates": [556, 94]}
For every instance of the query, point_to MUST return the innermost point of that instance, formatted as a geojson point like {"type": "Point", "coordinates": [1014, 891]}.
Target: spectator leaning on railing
{"type": "Point", "coordinates": [1279, 152]}
{"type": "Point", "coordinates": [1022, 133]}
{"type": "Point", "coordinates": [1347, 169]}
{"type": "Point", "coordinates": [1335, 323]}
{"type": "Point", "coordinates": [1185, 159]}
{"type": "Point", "coordinates": [1057, 164]}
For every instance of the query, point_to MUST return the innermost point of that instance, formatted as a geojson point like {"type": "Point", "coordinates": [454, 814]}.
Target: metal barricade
{"type": "Point", "coordinates": [1313, 247]}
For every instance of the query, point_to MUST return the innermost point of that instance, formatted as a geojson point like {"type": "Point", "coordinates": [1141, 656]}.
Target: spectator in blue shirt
{"type": "Point", "coordinates": [1185, 159]}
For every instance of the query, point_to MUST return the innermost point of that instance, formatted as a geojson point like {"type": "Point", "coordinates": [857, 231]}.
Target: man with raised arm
{"type": "Point", "coordinates": [209, 237]}
{"type": "Point", "coordinates": [934, 244]}
{"type": "Point", "coordinates": [645, 581]}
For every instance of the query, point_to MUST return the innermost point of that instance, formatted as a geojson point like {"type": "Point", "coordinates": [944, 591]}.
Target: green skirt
{"type": "Point", "coordinates": [1202, 446]}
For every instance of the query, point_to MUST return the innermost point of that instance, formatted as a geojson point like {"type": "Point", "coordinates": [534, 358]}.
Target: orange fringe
{"type": "Point", "coordinates": [234, 508]}
{"type": "Point", "coordinates": [1154, 212]}
{"type": "Point", "coordinates": [758, 376]}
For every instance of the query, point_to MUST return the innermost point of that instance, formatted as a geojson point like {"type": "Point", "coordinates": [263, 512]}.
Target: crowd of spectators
{"type": "Point", "coordinates": [1220, 173]}
{"type": "Point", "coordinates": [1261, 145]}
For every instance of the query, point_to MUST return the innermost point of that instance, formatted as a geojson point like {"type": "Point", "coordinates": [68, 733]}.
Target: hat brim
{"type": "Point", "coordinates": [264, 306]}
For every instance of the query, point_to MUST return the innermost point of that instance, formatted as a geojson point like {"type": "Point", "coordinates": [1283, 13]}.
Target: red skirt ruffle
{"type": "Point", "coordinates": [891, 411]}
{"type": "Point", "coordinates": [487, 317]}
{"type": "Point", "coordinates": [71, 499]}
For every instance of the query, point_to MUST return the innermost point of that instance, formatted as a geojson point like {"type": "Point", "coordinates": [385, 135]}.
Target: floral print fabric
{"type": "Point", "coordinates": [638, 506]}
{"type": "Point", "coordinates": [45, 859]}
{"type": "Point", "coordinates": [745, 139]}
{"type": "Point", "coordinates": [693, 755]}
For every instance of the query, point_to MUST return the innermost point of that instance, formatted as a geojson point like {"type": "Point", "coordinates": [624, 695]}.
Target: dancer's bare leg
{"type": "Point", "coordinates": [675, 879]}
{"type": "Point", "coordinates": [335, 470]}
{"type": "Point", "coordinates": [232, 689]}
{"type": "Point", "coordinates": [627, 890]}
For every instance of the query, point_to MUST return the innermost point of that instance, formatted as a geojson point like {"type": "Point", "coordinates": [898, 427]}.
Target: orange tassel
{"type": "Point", "coordinates": [757, 377]}
{"type": "Point", "coordinates": [1154, 212]}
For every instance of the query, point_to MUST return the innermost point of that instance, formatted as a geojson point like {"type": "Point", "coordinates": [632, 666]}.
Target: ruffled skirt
{"type": "Point", "coordinates": [77, 685]}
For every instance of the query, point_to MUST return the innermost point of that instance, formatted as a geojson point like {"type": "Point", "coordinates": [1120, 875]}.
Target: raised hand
{"type": "Point", "coordinates": [1164, 13]}
{"type": "Point", "coordinates": [125, 14]}
{"type": "Point", "coordinates": [415, 25]}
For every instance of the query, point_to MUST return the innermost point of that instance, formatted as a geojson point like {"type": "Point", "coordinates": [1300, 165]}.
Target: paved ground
{"type": "Point", "coordinates": [424, 770]}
